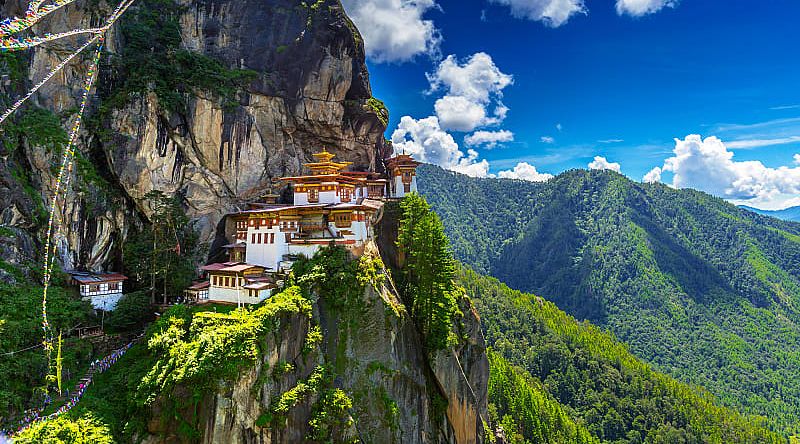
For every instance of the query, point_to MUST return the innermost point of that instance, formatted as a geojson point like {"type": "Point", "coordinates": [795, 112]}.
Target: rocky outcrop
{"type": "Point", "coordinates": [310, 90]}
{"type": "Point", "coordinates": [399, 393]}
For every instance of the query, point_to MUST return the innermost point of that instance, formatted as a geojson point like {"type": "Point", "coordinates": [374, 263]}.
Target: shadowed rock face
{"type": "Point", "coordinates": [310, 92]}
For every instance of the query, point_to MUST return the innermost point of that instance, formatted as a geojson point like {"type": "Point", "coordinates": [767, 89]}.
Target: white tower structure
{"type": "Point", "coordinates": [402, 170]}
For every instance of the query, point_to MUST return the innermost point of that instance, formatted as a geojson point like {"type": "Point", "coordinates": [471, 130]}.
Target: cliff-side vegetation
{"type": "Point", "coordinates": [83, 430]}
{"type": "Point", "coordinates": [152, 59]}
{"type": "Point", "coordinates": [200, 349]}
{"type": "Point", "coordinates": [189, 349]}
{"type": "Point", "coordinates": [601, 386]}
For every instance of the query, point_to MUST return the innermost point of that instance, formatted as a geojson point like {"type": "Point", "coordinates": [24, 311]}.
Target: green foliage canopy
{"type": "Point", "coordinates": [599, 383]}
{"type": "Point", "coordinates": [701, 289]}
{"type": "Point", "coordinates": [428, 271]}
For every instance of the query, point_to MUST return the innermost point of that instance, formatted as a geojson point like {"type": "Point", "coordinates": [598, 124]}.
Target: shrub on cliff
{"type": "Point", "coordinates": [62, 430]}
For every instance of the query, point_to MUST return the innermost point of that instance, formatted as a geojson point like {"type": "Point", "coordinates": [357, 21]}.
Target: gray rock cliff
{"type": "Point", "coordinates": [310, 89]}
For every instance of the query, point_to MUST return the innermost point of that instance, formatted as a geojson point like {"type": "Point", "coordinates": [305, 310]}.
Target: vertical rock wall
{"type": "Point", "coordinates": [310, 91]}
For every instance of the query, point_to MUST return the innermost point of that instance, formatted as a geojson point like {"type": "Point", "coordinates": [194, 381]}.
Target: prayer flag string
{"type": "Point", "coordinates": [32, 16]}
{"type": "Point", "coordinates": [8, 27]}
{"type": "Point", "coordinates": [62, 183]}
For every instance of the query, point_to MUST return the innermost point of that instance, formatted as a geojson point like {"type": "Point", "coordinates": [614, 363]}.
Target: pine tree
{"type": "Point", "coordinates": [428, 270]}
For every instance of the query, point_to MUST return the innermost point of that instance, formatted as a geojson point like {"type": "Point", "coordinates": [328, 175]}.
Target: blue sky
{"type": "Point", "coordinates": [618, 79]}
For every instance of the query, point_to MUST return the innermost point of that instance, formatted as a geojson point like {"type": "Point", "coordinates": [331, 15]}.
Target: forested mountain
{"type": "Point", "coordinates": [703, 290]}
{"type": "Point", "coordinates": [791, 213]}
{"type": "Point", "coordinates": [556, 380]}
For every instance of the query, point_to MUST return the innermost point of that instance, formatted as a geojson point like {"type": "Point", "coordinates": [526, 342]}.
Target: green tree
{"type": "Point", "coordinates": [428, 271]}
{"type": "Point", "coordinates": [62, 430]}
{"type": "Point", "coordinates": [133, 310]}
{"type": "Point", "coordinates": [23, 365]}
{"type": "Point", "coordinates": [163, 254]}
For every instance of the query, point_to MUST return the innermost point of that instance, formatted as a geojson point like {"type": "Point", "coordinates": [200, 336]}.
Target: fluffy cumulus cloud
{"type": "Point", "coordinates": [471, 88]}
{"type": "Point", "coordinates": [551, 12]}
{"type": "Point", "coordinates": [459, 113]}
{"type": "Point", "coordinates": [394, 30]}
{"type": "Point", "coordinates": [428, 142]}
{"type": "Point", "coordinates": [524, 171]}
{"type": "Point", "coordinates": [708, 165]}
{"type": "Point", "coordinates": [547, 139]}
{"type": "Point", "coordinates": [601, 163]}
{"type": "Point", "coordinates": [638, 8]}
{"type": "Point", "coordinates": [489, 139]}
{"type": "Point", "coordinates": [652, 176]}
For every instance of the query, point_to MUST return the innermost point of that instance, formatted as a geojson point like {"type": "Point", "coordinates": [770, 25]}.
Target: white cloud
{"type": "Point", "coordinates": [459, 113]}
{"type": "Point", "coordinates": [611, 141]}
{"type": "Point", "coordinates": [428, 142]}
{"type": "Point", "coordinates": [547, 139]}
{"type": "Point", "coordinates": [552, 13]}
{"type": "Point", "coordinates": [488, 139]}
{"type": "Point", "coordinates": [708, 165]}
{"type": "Point", "coordinates": [757, 143]}
{"type": "Point", "coordinates": [470, 88]}
{"type": "Point", "coordinates": [783, 107]}
{"type": "Point", "coordinates": [601, 163]}
{"type": "Point", "coordinates": [394, 30]}
{"type": "Point", "coordinates": [638, 8]}
{"type": "Point", "coordinates": [652, 176]}
{"type": "Point", "coordinates": [559, 127]}
{"type": "Point", "coordinates": [797, 159]}
{"type": "Point", "coordinates": [524, 171]}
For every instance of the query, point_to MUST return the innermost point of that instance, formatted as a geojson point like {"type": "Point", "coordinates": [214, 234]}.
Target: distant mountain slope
{"type": "Point", "coordinates": [577, 380]}
{"type": "Point", "coordinates": [791, 213]}
{"type": "Point", "coordinates": [705, 291]}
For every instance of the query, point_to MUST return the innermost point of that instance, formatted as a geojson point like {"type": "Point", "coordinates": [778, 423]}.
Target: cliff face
{"type": "Point", "coordinates": [399, 393]}
{"type": "Point", "coordinates": [310, 89]}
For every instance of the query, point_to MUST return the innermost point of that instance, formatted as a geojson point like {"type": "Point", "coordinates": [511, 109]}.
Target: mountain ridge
{"type": "Point", "coordinates": [703, 290]}
{"type": "Point", "coordinates": [790, 213]}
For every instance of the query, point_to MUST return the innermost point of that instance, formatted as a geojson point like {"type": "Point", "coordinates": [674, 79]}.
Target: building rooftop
{"type": "Point", "coordinates": [85, 277]}
{"type": "Point", "coordinates": [202, 285]}
{"type": "Point", "coordinates": [363, 202]}
{"type": "Point", "coordinates": [259, 285]}
{"type": "Point", "coordinates": [234, 267]}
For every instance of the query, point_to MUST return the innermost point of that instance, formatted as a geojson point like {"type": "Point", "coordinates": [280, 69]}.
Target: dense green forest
{"type": "Point", "coordinates": [524, 411]}
{"type": "Point", "coordinates": [577, 383]}
{"type": "Point", "coordinates": [705, 291]}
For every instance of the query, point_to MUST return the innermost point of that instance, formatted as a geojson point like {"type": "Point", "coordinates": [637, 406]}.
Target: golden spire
{"type": "Point", "coordinates": [324, 156]}
{"type": "Point", "coordinates": [324, 163]}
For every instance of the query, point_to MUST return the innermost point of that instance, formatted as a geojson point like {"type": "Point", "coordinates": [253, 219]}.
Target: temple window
{"type": "Point", "coordinates": [313, 195]}
{"type": "Point", "coordinates": [342, 220]}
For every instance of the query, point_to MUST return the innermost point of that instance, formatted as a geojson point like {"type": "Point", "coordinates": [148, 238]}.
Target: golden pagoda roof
{"type": "Point", "coordinates": [325, 163]}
